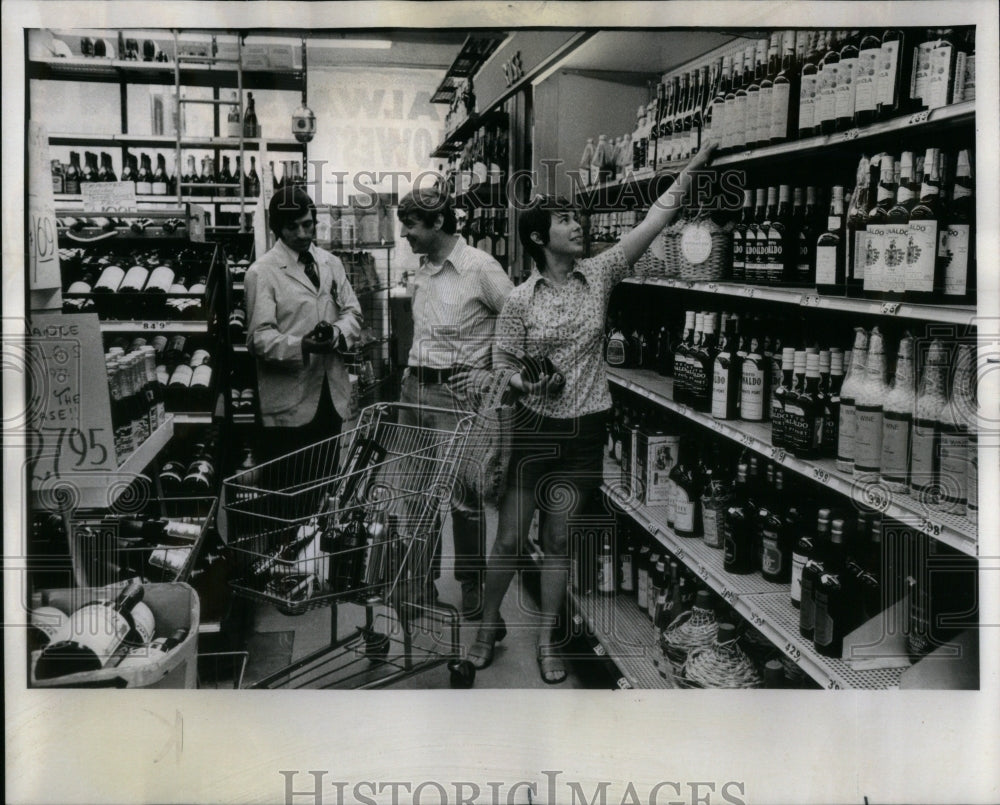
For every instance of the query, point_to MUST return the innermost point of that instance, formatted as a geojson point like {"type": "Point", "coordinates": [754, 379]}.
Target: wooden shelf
{"type": "Point", "coordinates": [163, 326]}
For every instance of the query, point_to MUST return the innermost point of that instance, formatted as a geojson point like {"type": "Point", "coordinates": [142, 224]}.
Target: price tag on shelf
{"type": "Point", "coordinates": [702, 571]}
{"type": "Point", "coordinates": [852, 134]}
{"type": "Point", "coordinates": [890, 308]}
{"type": "Point", "coordinates": [833, 684]}
{"type": "Point", "coordinates": [155, 325]}
{"type": "Point", "coordinates": [756, 619]}
{"type": "Point", "coordinates": [712, 287]}
{"type": "Point", "coordinates": [792, 651]}
{"type": "Point", "coordinates": [108, 197]}
{"type": "Point", "coordinates": [930, 527]}
{"type": "Point", "coordinates": [778, 454]}
{"type": "Point", "coordinates": [69, 408]}
{"type": "Point", "coordinates": [877, 497]}
{"type": "Point", "coordinates": [680, 553]}
{"type": "Point", "coordinates": [600, 651]}
{"type": "Point", "coordinates": [728, 595]}
{"type": "Point", "coordinates": [749, 291]}
{"type": "Point", "coordinates": [810, 300]}
{"type": "Point", "coordinates": [747, 440]}
{"type": "Point", "coordinates": [918, 117]}
{"type": "Point", "coordinates": [624, 684]}
{"type": "Point", "coordinates": [42, 245]}
{"type": "Point", "coordinates": [821, 475]}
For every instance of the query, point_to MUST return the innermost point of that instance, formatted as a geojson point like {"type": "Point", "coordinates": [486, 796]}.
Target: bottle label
{"type": "Point", "coordinates": [807, 612]}
{"type": "Point", "coordinates": [720, 385]}
{"type": "Point", "coordinates": [826, 108]}
{"type": "Point", "coordinates": [753, 116]}
{"type": "Point", "coordinates": [923, 447]}
{"type": "Point", "coordinates": [954, 252]}
{"type": "Point", "coordinates": [826, 265]}
{"type": "Point", "coordinates": [739, 124]}
{"type": "Point", "coordinates": [965, 78]}
{"type": "Point", "coordinates": [823, 623]}
{"type": "Point", "coordinates": [798, 562]}
{"type": "Point", "coordinates": [779, 110]}
{"type": "Point", "coordinates": [921, 71]}
{"type": "Point", "coordinates": [868, 439]}
{"type": "Point", "coordinates": [860, 253]}
{"type": "Point", "coordinates": [605, 574]}
{"type": "Point", "coordinates": [626, 576]}
{"type": "Point", "coordinates": [939, 76]}
{"type": "Point", "coordinates": [739, 253]}
{"type": "Point", "coordinates": [712, 527]}
{"type": "Point", "coordinates": [846, 88]}
{"type": "Point", "coordinates": [615, 354]}
{"type": "Point", "coordinates": [110, 278]}
{"type": "Point", "coordinates": [896, 446]}
{"type": "Point", "coordinates": [143, 188]}
{"type": "Point", "coordinates": [685, 511]}
{"type": "Point", "coordinates": [805, 261]}
{"type": "Point", "coordinates": [865, 80]}
{"type": "Point", "coordinates": [728, 121]}
{"type": "Point", "coordinates": [159, 188]}
{"type": "Point", "coordinates": [885, 76]}
{"type": "Point", "coordinates": [764, 111]}
{"type": "Point", "coordinates": [144, 622]}
{"type": "Point", "coordinates": [921, 254]}
{"type": "Point", "coordinates": [98, 627]}
{"type": "Point", "coordinates": [954, 475]}
{"type": "Point", "coordinates": [847, 431]}
{"type": "Point", "coordinates": [752, 391]}
{"type": "Point", "coordinates": [895, 243]}
{"type": "Point", "coordinates": [807, 102]}
{"type": "Point", "coordinates": [772, 560]}
{"type": "Point", "coordinates": [874, 263]}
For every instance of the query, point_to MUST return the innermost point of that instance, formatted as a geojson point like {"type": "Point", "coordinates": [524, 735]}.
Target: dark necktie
{"type": "Point", "coordinates": [309, 264]}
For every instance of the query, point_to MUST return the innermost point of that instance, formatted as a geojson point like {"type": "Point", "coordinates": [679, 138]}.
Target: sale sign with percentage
{"type": "Point", "coordinates": [69, 403]}
{"type": "Point", "coordinates": [41, 243]}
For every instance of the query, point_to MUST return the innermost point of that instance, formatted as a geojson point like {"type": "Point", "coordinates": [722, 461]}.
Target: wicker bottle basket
{"type": "Point", "coordinates": [703, 248]}
{"type": "Point", "coordinates": [721, 665]}
{"type": "Point", "coordinates": [689, 631]}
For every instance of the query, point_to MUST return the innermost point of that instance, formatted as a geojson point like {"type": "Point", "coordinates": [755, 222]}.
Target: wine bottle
{"type": "Point", "coordinates": [680, 359]}
{"type": "Point", "coordinates": [847, 78]}
{"type": "Point", "coordinates": [740, 522]}
{"type": "Point", "coordinates": [688, 485]}
{"type": "Point", "coordinates": [159, 183]}
{"type": "Point", "coordinates": [922, 275]}
{"type": "Point", "coordinates": [740, 238]}
{"type": "Point", "coordinates": [765, 100]}
{"type": "Point", "coordinates": [754, 381]}
{"type": "Point", "coordinates": [94, 634]}
{"type": "Point", "coordinates": [703, 364]}
{"type": "Point", "coordinates": [897, 423]}
{"type": "Point", "coordinates": [728, 135]}
{"type": "Point", "coordinates": [957, 270]}
{"type": "Point", "coordinates": [753, 94]}
{"type": "Point", "coordinates": [868, 401]}
{"type": "Point", "coordinates": [755, 248]}
{"type": "Point", "coordinates": [89, 166]}
{"type": "Point", "coordinates": [779, 231]}
{"type": "Point", "coordinates": [866, 79]}
{"type": "Point", "coordinates": [250, 126]}
{"type": "Point", "coordinates": [955, 420]}
{"type": "Point", "coordinates": [72, 179]}
{"type": "Point", "coordinates": [727, 374]}
{"type": "Point", "coordinates": [826, 96]}
{"type": "Point", "coordinates": [895, 233]}
{"type": "Point", "coordinates": [107, 171]}
{"type": "Point", "coordinates": [848, 423]}
{"type": "Point", "coordinates": [776, 546]}
{"type": "Point", "coordinates": [831, 403]}
{"type": "Point", "coordinates": [144, 178]}
{"type": "Point", "coordinates": [931, 399]}
{"type": "Point", "coordinates": [804, 413]}
{"type": "Point", "coordinates": [785, 93]}
{"type": "Point", "coordinates": [809, 87]}
{"type": "Point", "coordinates": [253, 180]}
{"type": "Point", "coordinates": [134, 280]}
{"type": "Point", "coordinates": [234, 126]}
{"type": "Point", "coordinates": [830, 249]}
{"type": "Point", "coordinates": [893, 85]}
{"type": "Point", "coordinates": [110, 280]}
{"type": "Point", "coordinates": [941, 77]}
{"type": "Point", "coordinates": [923, 65]}
{"type": "Point", "coordinates": [779, 394]}
{"type": "Point", "coordinates": [857, 233]}
{"type": "Point", "coordinates": [832, 609]}
{"type": "Point", "coordinates": [812, 571]}
{"type": "Point", "coordinates": [875, 225]}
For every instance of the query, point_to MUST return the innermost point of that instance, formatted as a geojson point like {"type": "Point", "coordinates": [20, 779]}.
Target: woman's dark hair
{"type": "Point", "coordinates": [288, 205]}
{"type": "Point", "coordinates": [537, 217]}
{"type": "Point", "coordinates": [426, 204]}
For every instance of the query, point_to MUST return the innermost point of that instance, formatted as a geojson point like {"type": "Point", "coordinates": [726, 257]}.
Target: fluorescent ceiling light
{"type": "Point", "coordinates": [320, 42]}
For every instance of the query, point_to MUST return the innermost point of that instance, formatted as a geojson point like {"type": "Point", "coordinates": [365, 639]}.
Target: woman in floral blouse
{"type": "Point", "coordinates": [558, 313]}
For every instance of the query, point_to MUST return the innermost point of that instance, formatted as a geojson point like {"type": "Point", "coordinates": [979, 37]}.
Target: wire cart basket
{"type": "Point", "coordinates": [354, 519]}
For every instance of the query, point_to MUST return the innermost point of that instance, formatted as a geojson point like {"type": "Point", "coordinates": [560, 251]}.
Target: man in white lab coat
{"type": "Point", "coordinates": [302, 314]}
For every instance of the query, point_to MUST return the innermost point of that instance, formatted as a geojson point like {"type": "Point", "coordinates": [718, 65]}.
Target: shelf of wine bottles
{"type": "Point", "coordinates": [169, 141]}
{"type": "Point", "coordinates": [624, 636]}
{"type": "Point", "coordinates": [765, 605]}
{"type": "Point", "coordinates": [806, 297]}
{"type": "Point", "coordinates": [956, 531]}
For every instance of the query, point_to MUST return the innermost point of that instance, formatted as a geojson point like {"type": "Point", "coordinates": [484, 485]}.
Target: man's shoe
{"type": "Point", "coordinates": [472, 600]}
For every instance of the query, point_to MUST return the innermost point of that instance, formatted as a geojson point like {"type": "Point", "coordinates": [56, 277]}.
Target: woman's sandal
{"type": "Point", "coordinates": [551, 665]}
{"type": "Point", "coordinates": [480, 653]}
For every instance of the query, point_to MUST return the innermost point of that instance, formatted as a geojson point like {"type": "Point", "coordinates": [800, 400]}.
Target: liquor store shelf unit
{"type": "Point", "coordinates": [955, 531]}
{"type": "Point", "coordinates": [808, 298]}
{"type": "Point", "coordinates": [957, 114]}
{"type": "Point", "coordinates": [168, 141]}
{"type": "Point", "coordinates": [764, 604]}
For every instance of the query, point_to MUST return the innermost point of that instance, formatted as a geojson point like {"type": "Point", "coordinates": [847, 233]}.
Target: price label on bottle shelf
{"type": "Point", "coordinates": [624, 684]}
{"type": "Point", "coordinates": [746, 439]}
{"type": "Point", "coordinates": [756, 619]}
{"type": "Point", "coordinates": [600, 651]}
{"type": "Point", "coordinates": [749, 291]}
{"type": "Point", "coordinates": [821, 475]}
{"type": "Point", "coordinates": [809, 300]}
{"type": "Point", "coordinates": [918, 117]}
{"type": "Point", "coordinates": [852, 134]}
{"type": "Point", "coordinates": [748, 153]}
{"type": "Point", "coordinates": [712, 287]}
{"type": "Point", "coordinates": [833, 684]}
{"type": "Point", "coordinates": [890, 308]}
{"type": "Point", "coordinates": [877, 498]}
{"type": "Point", "coordinates": [728, 595]}
{"type": "Point", "coordinates": [702, 571]}
{"type": "Point", "coordinates": [577, 620]}
{"type": "Point", "coordinates": [155, 325]}
{"type": "Point", "coordinates": [680, 553]}
{"type": "Point", "coordinates": [930, 527]}
{"type": "Point", "coordinates": [792, 651]}
{"type": "Point", "coordinates": [777, 454]}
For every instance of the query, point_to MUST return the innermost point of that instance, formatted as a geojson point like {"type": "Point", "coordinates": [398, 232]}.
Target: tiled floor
{"type": "Point", "coordinates": [277, 639]}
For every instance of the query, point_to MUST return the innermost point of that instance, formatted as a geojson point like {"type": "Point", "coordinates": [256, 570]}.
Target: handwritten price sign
{"type": "Point", "coordinates": [108, 197]}
{"type": "Point", "coordinates": [41, 246]}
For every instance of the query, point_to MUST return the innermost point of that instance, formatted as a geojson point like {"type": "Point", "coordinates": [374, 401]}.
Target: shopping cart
{"type": "Point", "coordinates": [354, 519]}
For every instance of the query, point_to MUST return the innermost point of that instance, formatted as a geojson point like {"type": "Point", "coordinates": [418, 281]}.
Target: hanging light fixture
{"type": "Point", "coordinates": [303, 119]}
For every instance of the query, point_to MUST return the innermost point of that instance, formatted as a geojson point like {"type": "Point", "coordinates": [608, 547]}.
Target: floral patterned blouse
{"type": "Point", "coordinates": [566, 323]}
